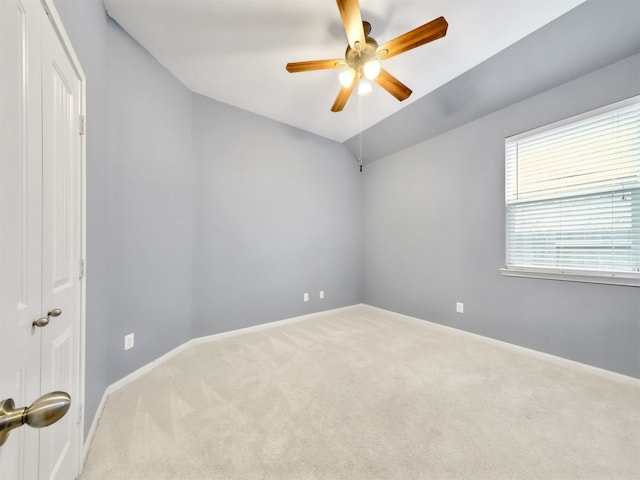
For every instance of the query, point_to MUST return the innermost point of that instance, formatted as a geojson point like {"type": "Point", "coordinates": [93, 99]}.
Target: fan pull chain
{"type": "Point", "coordinates": [360, 103]}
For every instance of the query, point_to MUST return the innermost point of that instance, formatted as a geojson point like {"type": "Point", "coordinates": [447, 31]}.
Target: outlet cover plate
{"type": "Point", "coordinates": [128, 341]}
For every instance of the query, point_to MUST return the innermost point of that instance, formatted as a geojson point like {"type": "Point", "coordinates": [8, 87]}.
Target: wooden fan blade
{"type": "Point", "coordinates": [343, 96]}
{"type": "Point", "coordinates": [352, 21]}
{"type": "Point", "coordinates": [295, 67]}
{"type": "Point", "coordinates": [392, 85]}
{"type": "Point", "coordinates": [418, 36]}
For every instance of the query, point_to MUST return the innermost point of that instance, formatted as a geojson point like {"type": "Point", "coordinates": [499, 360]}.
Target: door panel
{"type": "Point", "coordinates": [60, 170]}
{"type": "Point", "coordinates": [20, 224]}
{"type": "Point", "coordinates": [61, 251]}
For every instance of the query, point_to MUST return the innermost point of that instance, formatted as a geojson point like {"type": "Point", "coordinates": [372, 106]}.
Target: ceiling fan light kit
{"type": "Point", "coordinates": [363, 55]}
{"type": "Point", "coordinates": [371, 71]}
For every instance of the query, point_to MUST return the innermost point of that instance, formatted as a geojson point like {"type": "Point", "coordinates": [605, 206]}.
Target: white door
{"type": "Point", "coordinates": [20, 226]}
{"type": "Point", "coordinates": [61, 253]}
{"type": "Point", "coordinates": [40, 238]}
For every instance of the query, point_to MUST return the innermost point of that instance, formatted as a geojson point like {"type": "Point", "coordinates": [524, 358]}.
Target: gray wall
{"type": "Point", "coordinates": [434, 230]}
{"type": "Point", "coordinates": [139, 201]}
{"type": "Point", "coordinates": [150, 205]}
{"type": "Point", "coordinates": [278, 214]}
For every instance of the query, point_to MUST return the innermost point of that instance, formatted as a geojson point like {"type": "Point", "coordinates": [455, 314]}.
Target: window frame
{"type": "Point", "coordinates": [567, 274]}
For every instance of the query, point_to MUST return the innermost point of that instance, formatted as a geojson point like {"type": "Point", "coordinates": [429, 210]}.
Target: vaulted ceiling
{"type": "Point", "coordinates": [235, 51]}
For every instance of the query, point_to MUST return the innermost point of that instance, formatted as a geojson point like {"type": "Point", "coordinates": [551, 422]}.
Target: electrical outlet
{"type": "Point", "coordinates": [306, 297]}
{"type": "Point", "coordinates": [459, 307]}
{"type": "Point", "coordinates": [128, 341]}
{"type": "Point", "coordinates": [321, 294]}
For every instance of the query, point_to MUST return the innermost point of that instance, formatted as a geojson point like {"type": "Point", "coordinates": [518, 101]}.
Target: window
{"type": "Point", "coordinates": [572, 196]}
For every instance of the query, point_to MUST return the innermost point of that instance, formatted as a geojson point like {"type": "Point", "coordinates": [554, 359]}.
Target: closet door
{"type": "Point", "coordinates": [20, 225]}
{"type": "Point", "coordinates": [41, 231]}
{"type": "Point", "coordinates": [61, 251]}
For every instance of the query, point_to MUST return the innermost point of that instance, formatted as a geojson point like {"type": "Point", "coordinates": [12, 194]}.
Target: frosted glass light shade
{"type": "Point", "coordinates": [346, 77]}
{"type": "Point", "coordinates": [364, 87]}
{"type": "Point", "coordinates": [372, 69]}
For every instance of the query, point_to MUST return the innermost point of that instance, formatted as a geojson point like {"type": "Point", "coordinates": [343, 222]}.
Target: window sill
{"type": "Point", "coordinates": [586, 277]}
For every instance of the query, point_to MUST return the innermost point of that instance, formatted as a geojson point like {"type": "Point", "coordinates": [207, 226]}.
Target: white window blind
{"type": "Point", "coordinates": [573, 194]}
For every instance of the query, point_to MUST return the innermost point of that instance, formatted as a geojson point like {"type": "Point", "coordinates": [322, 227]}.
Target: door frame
{"type": "Point", "coordinates": [58, 27]}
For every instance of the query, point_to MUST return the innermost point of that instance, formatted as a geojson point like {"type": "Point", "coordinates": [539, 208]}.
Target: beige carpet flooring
{"type": "Point", "coordinates": [365, 394]}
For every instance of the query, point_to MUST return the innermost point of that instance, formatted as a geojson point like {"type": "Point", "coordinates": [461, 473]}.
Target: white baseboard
{"type": "Point", "coordinates": [172, 353]}
{"type": "Point", "coordinates": [561, 361]}
{"type": "Point", "coordinates": [92, 429]}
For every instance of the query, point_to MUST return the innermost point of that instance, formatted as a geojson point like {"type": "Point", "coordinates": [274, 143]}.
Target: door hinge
{"type": "Point", "coordinates": [83, 124]}
{"type": "Point", "coordinates": [82, 268]}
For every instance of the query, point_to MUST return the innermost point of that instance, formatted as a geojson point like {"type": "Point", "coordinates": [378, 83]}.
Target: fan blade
{"type": "Point", "coordinates": [352, 21]}
{"type": "Point", "coordinates": [295, 67]}
{"type": "Point", "coordinates": [343, 96]}
{"type": "Point", "coordinates": [418, 36]}
{"type": "Point", "coordinates": [392, 85]}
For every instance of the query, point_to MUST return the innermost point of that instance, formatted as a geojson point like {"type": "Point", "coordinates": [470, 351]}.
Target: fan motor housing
{"type": "Point", "coordinates": [357, 58]}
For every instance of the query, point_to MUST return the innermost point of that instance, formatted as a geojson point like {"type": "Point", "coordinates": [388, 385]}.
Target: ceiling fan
{"type": "Point", "coordinates": [363, 54]}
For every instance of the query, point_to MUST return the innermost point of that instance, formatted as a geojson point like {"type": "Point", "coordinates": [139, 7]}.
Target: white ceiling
{"type": "Point", "coordinates": [235, 51]}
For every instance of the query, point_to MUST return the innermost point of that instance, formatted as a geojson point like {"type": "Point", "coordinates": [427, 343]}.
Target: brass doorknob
{"type": "Point", "coordinates": [43, 412]}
